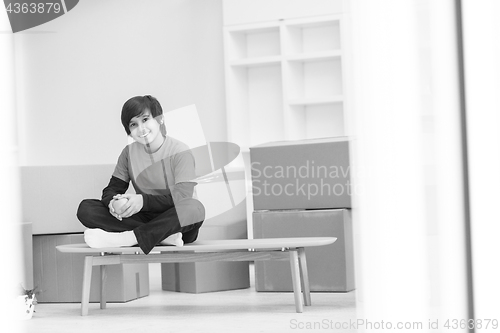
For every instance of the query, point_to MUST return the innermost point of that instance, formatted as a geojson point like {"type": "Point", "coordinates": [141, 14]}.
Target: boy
{"type": "Point", "coordinates": [161, 169]}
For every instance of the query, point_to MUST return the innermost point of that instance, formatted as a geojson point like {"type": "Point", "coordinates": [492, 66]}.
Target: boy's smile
{"type": "Point", "coordinates": [146, 130]}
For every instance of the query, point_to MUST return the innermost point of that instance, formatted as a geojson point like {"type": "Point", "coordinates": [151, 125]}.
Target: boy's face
{"type": "Point", "coordinates": [145, 129]}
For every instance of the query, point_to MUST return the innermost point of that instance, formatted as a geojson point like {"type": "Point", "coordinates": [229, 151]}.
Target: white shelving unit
{"type": "Point", "coordinates": [284, 80]}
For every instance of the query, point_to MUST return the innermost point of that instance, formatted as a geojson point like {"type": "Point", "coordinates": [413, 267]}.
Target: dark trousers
{"type": "Point", "coordinates": [149, 228]}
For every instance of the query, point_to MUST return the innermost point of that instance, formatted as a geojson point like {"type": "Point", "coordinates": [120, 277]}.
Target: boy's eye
{"type": "Point", "coordinates": [132, 125]}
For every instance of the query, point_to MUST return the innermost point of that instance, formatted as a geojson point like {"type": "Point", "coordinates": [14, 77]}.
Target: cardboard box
{"type": "Point", "coordinates": [331, 267]}
{"type": "Point", "coordinates": [201, 277]}
{"type": "Point", "coordinates": [204, 277]}
{"type": "Point", "coordinates": [59, 276]}
{"type": "Point", "coordinates": [305, 174]}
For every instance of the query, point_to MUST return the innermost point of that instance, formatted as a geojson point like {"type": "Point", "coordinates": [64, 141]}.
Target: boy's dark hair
{"type": "Point", "coordinates": [135, 106]}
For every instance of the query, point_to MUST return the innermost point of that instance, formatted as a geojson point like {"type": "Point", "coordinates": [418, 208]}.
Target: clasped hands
{"type": "Point", "coordinates": [125, 205]}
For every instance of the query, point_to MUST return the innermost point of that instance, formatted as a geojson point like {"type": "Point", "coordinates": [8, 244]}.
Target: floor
{"type": "Point", "coordinates": [229, 311]}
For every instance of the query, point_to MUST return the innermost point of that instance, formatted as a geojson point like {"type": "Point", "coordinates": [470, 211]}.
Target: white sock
{"type": "Point", "coordinates": [98, 238]}
{"type": "Point", "coordinates": [174, 239]}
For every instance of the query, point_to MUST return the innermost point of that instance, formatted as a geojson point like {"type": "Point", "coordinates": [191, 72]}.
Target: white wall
{"type": "Point", "coordinates": [75, 72]}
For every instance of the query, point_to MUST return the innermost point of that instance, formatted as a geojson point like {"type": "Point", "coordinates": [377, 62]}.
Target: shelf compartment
{"type": "Point", "coordinates": [314, 80]}
{"type": "Point", "coordinates": [315, 121]}
{"type": "Point", "coordinates": [255, 105]}
{"type": "Point", "coordinates": [253, 43]}
{"type": "Point", "coordinates": [313, 36]}
{"type": "Point", "coordinates": [265, 104]}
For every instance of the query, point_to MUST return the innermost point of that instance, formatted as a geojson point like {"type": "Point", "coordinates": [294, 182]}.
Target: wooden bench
{"type": "Point", "coordinates": [291, 249]}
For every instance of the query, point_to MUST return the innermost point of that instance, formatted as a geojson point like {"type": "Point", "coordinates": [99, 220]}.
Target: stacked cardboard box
{"type": "Point", "coordinates": [302, 188]}
{"type": "Point", "coordinates": [202, 277]}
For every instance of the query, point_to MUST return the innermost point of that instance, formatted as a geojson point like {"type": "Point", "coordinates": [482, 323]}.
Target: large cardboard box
{"type": "Point", "coordinates": [204, 277]}
{"type": "Point", "coordinates": [59, 276]}
{"type": "Point", "coordinates": [201, 277]}
{"type": "Point", "coordinates": [331, 267]}
{"type": "Point", "coordinates": [305, 174]}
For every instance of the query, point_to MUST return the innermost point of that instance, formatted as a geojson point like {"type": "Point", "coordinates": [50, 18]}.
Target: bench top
{"type": "Point", "coordinates": [210, 245]}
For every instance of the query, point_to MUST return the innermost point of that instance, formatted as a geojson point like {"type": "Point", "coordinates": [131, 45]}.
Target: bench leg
{"type": "Point", "coordinates": [103, 282]}
{"type": "Point", "coordinates": [294, 265]}
{"type": "Point", "coordinates": [304, 278]}
{"type": "Point", "coordinates": [87, 277]}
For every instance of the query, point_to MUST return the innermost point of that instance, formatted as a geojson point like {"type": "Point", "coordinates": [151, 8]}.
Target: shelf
{"type": "Point", "coordinates": [256, 62]}
{"type": "Point", "coordinates": [284, 80]}
{"type": "Point", "coordinates": [274, 60]}
{"type": "Point", "coordinates": [317, 56]}
{"type": "Point", "coordinates": [253, 28]}
{"type": "Point", "coordinates": [326, 21]}
{"type": "Point", "coordinates": [316, 101]}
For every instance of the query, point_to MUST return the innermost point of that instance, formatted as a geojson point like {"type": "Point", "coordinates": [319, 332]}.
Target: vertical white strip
{"type": "Point", "coordinates": [389, 206]}
{"type": "Point", "coordinates": [482, 72]}
{"type": "Point", "coordinates": [407, 161]}
{"type": "Point", "coordinates": [449, 240]}
{"type": "Point", "coordinates": [10, 246]}
{"type": "Point", "coordinates": [228, 187]}
{"type": "Point", "coordinates": [64, 6]}
{"type": "Point", "coordinates": [212, 166]}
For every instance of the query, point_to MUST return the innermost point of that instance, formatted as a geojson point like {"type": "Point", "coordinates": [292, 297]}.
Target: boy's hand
{"type": "Point", "coordinates": [133, 206]}
{"type": "Point", "coordinates": [111, 208]}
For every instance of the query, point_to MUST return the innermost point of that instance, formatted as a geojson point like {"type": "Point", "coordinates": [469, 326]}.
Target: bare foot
{"type": "Point", "coordinates": [175, 239]}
